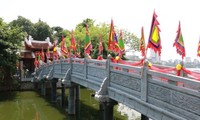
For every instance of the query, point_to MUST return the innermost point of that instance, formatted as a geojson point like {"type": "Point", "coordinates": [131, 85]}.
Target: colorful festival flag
{"type": "Point", "coordinates": [154, 41]}
{"type": "Point", "coordinates": [112, 40]}
{"type": "Point", "coordinates": [121, 45]}
{"type": "Point", "coordinates": [42, 55]}
{"type": "Point", "coordinates": [198, 50]}
{"type": "Point", "coordinates": [48, 53]}
{"type": "Point", "coordinates": [142, 43]}
{"type": "Point", "coordinates": [78, 52]}
{"type": "Point", "coordinates": [88, 44]}
{"type": "Point", "coordinates": [100, 44]}
{"type": "Point", "coordinates": [73, 42]}
{"type": "Point", "coordinates": [64, 50]}
{"type": "Point", "coordinates": [179, 43]}
{"type": "Point", "coordinates": [55, 54]}
{"type": "Point", "coordinates": [36, 63]}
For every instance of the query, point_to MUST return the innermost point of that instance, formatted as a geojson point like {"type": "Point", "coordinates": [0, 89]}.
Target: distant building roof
{"type": "Point", "coordinates": [33, 45]}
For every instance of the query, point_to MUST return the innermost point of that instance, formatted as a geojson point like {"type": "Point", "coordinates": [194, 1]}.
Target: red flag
{"type": "Point", "coordinates": [112, 40]}
{"type": "Point", "coordinates": [179, 43]}
{"type": "Point", "coordinates": [64, 50]}
{"type": "Point", "coordinates": [198, 50]}
{"type": "Point", "coordinates": [154, 41]}
{"type": "Point", "coordinates": [48, 53]}
{"type": "Point", "coordinates": [42, 55]}
{"type": "Point", "coordinates": [73, 42]}
{"type": "Point", "coordinates": [100, 45]}
{"type": "Point", "coordinates": [36, 62]}
{"type": "Point", "coordinates": [142, 43]}
{"type": "Point", "coordinates": [78, 50]}
{"type": "Point", "coordinates": [55, 54]}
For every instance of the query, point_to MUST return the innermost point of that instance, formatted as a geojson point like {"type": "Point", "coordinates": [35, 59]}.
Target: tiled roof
{"type": "Point", "coordinates": [37, 45]}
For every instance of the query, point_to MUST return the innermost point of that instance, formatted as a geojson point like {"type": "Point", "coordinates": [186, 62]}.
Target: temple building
{"type": "Point", "coordinates": [28, 55]}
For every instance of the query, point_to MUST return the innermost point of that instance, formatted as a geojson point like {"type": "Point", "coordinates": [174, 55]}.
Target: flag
{"type": "Point", "coordinates": [64, 50]}
{"type": "Point", "coordinates": [154, 41]}
{"type": "Point", "coordinates": [48, 53]}
{"type": "Point", "coordinates": [38, 56]}
{"type": "Point", "coordinates": [36, 63]}
{"type": "Point", "coordinates": [73, 42]}
{"type": "Point", "coordinates": [142, 43]}
{"type": "Point", "coordinates": [112, 40]}
{"type": "Point", "coordinates": [198, 50]}
{"type": "Point", "coordinates": [55, 54]}
{"type": "Point", "coordinates": [88, 44]}
{"type": "Point", "coordinates": [100, 45]}
{"type": "Point", "coordinates": [121, 45]}
{"type": "Point", "coordinates": [42, 55]}
{"type": "Point", "coordinates": [78, 50]}
{"type": "Point", "coordinates": [179, 43]}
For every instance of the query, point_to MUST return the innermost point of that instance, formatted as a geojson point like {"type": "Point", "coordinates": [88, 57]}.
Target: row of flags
{"type": "Point", "coordinates": [154, 41]}
{"type": "Point", "coordinates": [117, 45]}
{"type": "Point", "coordinates": [114, 44]}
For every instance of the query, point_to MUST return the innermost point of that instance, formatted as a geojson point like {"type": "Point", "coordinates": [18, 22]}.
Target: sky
{"type": "Point", "coordinates": [126, 14]}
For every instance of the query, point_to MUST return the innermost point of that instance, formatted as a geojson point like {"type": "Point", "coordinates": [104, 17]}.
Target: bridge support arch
{"type": "Point", "coordinates": [144, 117]}
{"type": "Point", "coordinates": [107, 108]}
{"type": "Point", "coordinates": [74, 100]}
{"type": "Point", "coordinates": [53, 90]}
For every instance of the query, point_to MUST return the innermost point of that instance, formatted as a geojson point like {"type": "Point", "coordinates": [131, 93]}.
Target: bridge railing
{"type": "Point", "coordinates": [125, 78]}
{"type": "Point", "coordinates": [169, 96]}
{"type": "Point", "coordinates": [136, 86]}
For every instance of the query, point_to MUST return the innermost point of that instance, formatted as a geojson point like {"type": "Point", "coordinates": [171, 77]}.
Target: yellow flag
{"type": "Point", "coordinates": [155, 36]}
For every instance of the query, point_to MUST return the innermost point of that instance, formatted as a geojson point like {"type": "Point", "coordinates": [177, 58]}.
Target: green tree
{"type": "Point", "coordinates": [10, 42]}
{"type": "Point", "coordinates": [129, 38]}
{"type": "Point", "coordinates": [43, 31]}
{"type": "Point", "coordinates": [26, 25]}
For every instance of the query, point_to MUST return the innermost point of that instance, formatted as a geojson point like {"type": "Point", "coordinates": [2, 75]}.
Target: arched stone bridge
{"type": "Point", "coordinates": [139, 88]}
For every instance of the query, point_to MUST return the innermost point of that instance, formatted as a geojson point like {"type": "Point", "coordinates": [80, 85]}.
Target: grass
{"type": "Point", "coordinates": [25, 105]}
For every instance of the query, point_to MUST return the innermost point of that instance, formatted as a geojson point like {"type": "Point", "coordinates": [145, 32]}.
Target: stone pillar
{"type": "Point", "coordinates": [63, 94]}
{"type": "Point", "coordinates": [53, 90]}
{"type": "Point", "coordinates": [143, 117]}
{"type": "Point", "coordinates": [78, 102]}
{"type": "Point", "coordinates": [108, 109]}
{"type": "Point", "coordinates": [71, 101]}
{"type": "Point", "coordinates": [44, 87]}
{"type": "Point", "coordinates": [41, 88]}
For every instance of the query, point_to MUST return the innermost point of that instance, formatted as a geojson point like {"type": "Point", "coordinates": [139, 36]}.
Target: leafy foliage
{"type": "Point", "coordinates": [43, 30]}
{"type": "Point", "coordinates": [26, 25]}
{"type": "Point", "coordinates": [130, 39]}
{"type": "Point", "coordinates": [13, 33]}
{"type": "Point", "coordinates": [10, 41]}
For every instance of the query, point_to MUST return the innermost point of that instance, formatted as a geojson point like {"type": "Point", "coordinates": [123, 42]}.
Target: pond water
{"type": "Point", "coordinates": [26, 105]}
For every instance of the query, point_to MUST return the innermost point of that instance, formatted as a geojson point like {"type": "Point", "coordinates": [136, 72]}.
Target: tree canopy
{"type": "Point", "coordinates": [10, 42]}
{"type": "Point", "coordinates": [13, 33]}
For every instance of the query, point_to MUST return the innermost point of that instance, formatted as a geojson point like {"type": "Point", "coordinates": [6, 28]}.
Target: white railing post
{"type": "Point", "coordinates": [61, 65]}
{"type": "Point", "coordinates": [144, 77]}
{"type": "Point", "coordinates": [108, 67]}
